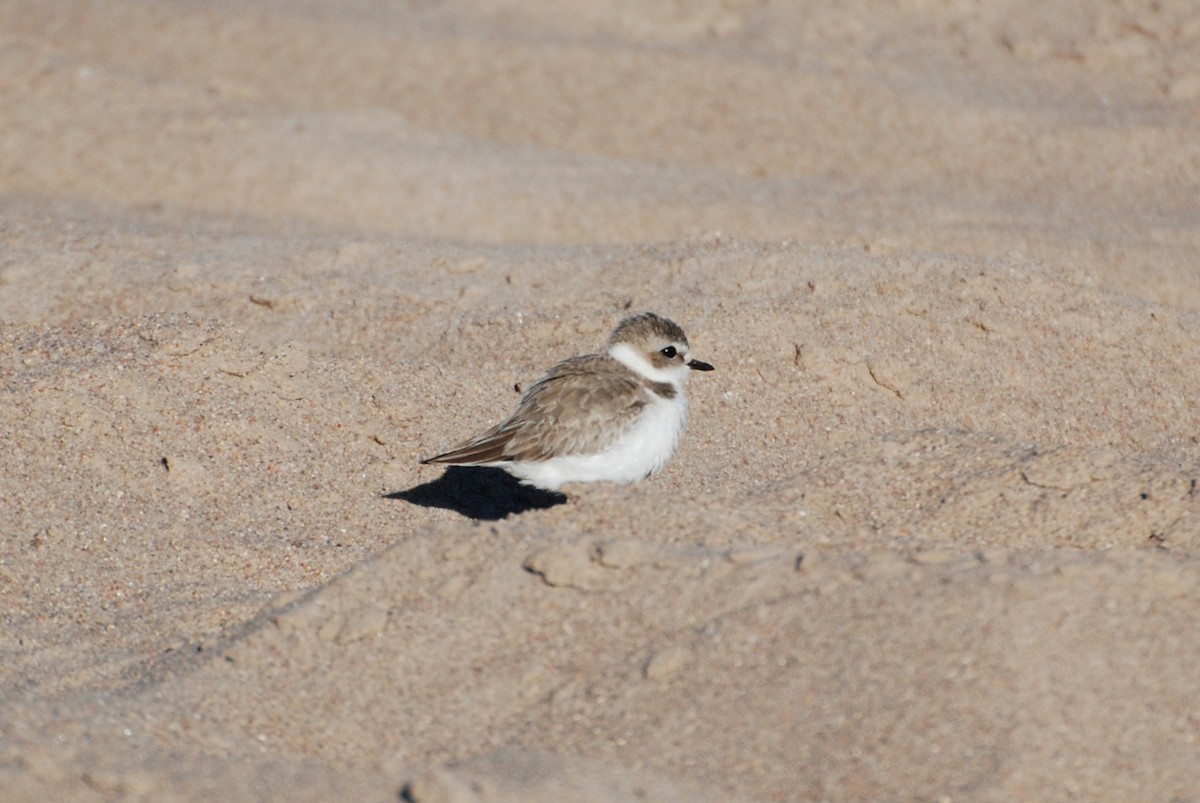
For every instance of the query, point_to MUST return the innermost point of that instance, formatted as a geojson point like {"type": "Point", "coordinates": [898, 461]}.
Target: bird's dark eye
{"type": "Point", "coordinates": [668, 352]}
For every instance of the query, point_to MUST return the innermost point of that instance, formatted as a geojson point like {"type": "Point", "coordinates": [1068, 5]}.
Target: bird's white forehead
{"type": "Point", "coordinates": [653, 345]}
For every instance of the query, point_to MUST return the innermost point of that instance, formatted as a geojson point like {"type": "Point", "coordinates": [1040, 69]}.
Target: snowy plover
{"type": "Point", "coordinates": [615, 416]}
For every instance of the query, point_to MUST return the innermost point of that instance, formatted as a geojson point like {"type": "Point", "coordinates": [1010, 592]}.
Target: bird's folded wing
{"type": "Point", "coordinates": [582, 406]}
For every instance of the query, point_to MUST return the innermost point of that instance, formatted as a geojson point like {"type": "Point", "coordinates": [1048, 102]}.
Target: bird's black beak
{"type": "Point", "coordinates": [696, 365]}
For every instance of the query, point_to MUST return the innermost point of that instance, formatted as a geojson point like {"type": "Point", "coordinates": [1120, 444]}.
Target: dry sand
{"type": "Point", "coordinates": [933, 532]}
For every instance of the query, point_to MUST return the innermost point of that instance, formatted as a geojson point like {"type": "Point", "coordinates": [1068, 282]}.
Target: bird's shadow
{"type": "Point", "coordinates": [483, 493]}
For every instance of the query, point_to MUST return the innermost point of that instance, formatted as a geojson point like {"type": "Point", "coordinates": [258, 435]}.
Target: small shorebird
{"type": "Point", "coordinates": [615, 416]}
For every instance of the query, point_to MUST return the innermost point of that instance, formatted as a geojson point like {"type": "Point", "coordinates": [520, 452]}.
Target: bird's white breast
{"type": "Point", "coordinates": [641, 452]}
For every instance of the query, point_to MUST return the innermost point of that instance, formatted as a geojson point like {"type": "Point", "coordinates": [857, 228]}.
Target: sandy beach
{"type": "Point", "coordinates": [932, 532]}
